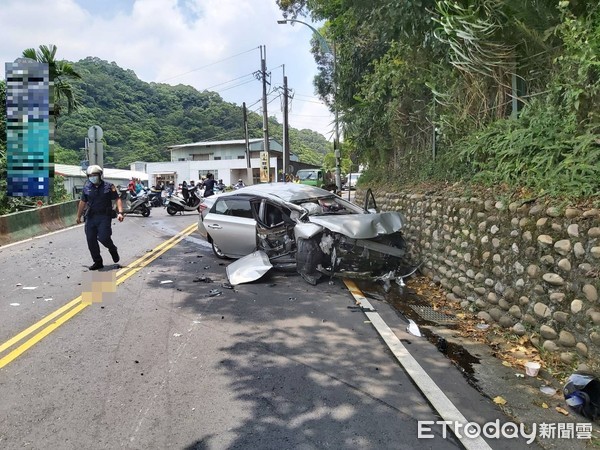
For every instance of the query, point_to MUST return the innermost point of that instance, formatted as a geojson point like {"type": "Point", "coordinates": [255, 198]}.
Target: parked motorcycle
{"type": "Point", "coordinates": [135, 204]}
{"type": "Point", "coordinates": [155, 198]}
{"type": "Point", "coordinates": [176, 204]}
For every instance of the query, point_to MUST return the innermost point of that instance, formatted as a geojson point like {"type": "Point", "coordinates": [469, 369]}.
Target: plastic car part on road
{"type": "Point", "coordinates": [249, 268]}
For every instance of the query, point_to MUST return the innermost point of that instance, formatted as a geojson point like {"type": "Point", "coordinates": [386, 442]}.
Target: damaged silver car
{"type": "Point", "coordinates": [310, 229]}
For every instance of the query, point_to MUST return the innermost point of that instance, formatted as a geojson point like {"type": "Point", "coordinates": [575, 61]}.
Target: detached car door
{"type": "Point", "coordinates": [231, 226]}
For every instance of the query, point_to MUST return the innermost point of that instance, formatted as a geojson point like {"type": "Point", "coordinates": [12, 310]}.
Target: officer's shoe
{"type": "Point", "coordinates": [96, 266]}
{"type": "Point", "coordinates": [115, 255]}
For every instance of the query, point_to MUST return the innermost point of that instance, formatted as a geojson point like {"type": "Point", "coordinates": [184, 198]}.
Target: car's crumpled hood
{"type": "Point", "coordinates": [361, 226]}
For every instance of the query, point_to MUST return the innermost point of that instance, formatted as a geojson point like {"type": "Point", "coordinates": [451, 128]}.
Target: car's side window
{"type": "Point", "coordinates": [232, 207]}
{"type": "Point", "coordinates": [273, 215]}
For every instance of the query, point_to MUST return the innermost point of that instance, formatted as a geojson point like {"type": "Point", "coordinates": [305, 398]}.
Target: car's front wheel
{"type": "Point", "coordinates": [308, 258]}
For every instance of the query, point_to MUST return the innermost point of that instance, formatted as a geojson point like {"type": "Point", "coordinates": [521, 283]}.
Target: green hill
{"type": "Point", "coordinates": [141, 119]}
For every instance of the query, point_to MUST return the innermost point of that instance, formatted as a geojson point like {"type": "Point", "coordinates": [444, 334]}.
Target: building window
{"type": "Point", "coordinates": [241, 157]}
{"type": "Point", "coordinates": [217, 158]}
{"type": "Point", "coordinates": [181, 159]}
{"type": "Point", "coordinates": [202, 174]}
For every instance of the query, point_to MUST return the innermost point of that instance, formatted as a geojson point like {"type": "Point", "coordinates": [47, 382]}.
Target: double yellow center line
{"type": "Point", "coordinates": [75, 306]}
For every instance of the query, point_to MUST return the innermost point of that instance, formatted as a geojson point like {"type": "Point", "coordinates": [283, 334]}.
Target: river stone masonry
{"type": "Point", "coordinates": [531, 267]}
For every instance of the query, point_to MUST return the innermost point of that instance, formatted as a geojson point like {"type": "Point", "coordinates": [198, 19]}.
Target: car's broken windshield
{"type": "Point", "coordinates": [330, 205]}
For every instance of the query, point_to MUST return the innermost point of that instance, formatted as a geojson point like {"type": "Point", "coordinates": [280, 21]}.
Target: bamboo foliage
{"type": "Point", "coordinates": [418, 78]}
{"type": "Point", "coordinates": [474, 36]}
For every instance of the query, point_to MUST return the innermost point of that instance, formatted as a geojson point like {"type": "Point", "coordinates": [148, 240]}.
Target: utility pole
{"type": "Point", "coordinates": [263, 70]}
{"type": "Point", "coordinates": [249, 176]}
{"type": "Point", "coordinates": [95, 134]}
{"type": "Point", "coordinates": [286, 128]}
{"type": "Point", "coordinates": [246, 137]}
{"type": "Point", "coordinates": [336, 143]}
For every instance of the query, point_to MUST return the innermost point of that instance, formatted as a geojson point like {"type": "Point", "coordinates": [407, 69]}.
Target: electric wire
{"type": "Point", "coordinates": [208, 65]}
{"type": "Point", "coordinates": [229, 81]}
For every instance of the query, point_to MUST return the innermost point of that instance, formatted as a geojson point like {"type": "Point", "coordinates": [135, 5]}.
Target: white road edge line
{"type": "Point", "coordinates": [430, 390]}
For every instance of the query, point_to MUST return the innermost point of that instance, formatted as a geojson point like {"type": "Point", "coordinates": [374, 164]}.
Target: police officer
{"type": "Point", "coordinates": [96, 201]}
{"type": "Point", "coordinates": [209, 185]}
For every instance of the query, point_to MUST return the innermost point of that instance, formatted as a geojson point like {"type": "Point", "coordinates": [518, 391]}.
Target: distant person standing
{"type": "Point", "coordinates": [138, 186]}
{"type": "Point", "coordinates": [209, 185]}
{"type": "Point", "coordinates": [185, 191]}
{"type": "Point", "coordinates": [130, 193]}
{"type": "Point", "coordinates": [96, 202]}
{"type": "Point", "coordinates": [191, 188]}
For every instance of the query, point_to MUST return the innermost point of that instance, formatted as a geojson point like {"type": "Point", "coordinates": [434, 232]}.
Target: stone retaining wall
{"type": "Point", "coordinates": [531, 267]}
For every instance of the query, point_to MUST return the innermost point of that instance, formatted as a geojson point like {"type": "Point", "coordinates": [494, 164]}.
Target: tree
{"type": "Point", "coordinates": [2, 115]}
{"type": "Point", "coordinates": [60, 73]}
{"type": "Point", "coordinates": [448, 89]}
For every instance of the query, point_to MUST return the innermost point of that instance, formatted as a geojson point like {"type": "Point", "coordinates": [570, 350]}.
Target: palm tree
{"type": "Point", "coordinates": [60, 73]}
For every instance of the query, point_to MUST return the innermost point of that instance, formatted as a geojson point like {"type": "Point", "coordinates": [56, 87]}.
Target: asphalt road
{"type": "Point", "coordinates": [176, 360]}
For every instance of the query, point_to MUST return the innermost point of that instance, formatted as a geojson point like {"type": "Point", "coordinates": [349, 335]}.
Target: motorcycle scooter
{"type": "Point", "coordinates": [176, 204]}
{"type": "Point", "coordinates": [138, 204]}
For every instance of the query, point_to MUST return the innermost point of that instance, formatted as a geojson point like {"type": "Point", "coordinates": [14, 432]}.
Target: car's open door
{"type": "Point", "coordinates": [370, 204]}
{"type": "Point", "coordinates": [231, 226]}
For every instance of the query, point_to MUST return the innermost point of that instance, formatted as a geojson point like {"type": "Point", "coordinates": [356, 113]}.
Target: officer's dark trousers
{"type": "Point", "coordinates": [98, 228]}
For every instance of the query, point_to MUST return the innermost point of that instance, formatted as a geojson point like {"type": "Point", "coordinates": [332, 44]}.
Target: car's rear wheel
{"type": "Point", "coordinates": [217, 251]}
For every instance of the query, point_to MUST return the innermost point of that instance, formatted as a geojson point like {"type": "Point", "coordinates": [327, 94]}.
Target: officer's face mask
{"type": "Point", "coordinates": [95, 179]}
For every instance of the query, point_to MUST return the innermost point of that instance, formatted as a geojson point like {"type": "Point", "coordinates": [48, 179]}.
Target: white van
{"type": "Point", "coordinates": [351, 180]}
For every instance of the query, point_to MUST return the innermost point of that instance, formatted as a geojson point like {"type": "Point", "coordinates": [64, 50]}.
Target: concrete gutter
{"type": "Point", "coordinates": [27, 224]}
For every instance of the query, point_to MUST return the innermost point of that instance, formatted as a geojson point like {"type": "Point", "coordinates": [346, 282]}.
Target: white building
{"type": "Point", "coordinates": [226, 160]}
{"type": "Point", "coordinates": [75, 177]}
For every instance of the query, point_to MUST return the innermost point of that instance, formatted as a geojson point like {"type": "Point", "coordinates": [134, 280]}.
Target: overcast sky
{"type": "Point", "coordinates": [208, 44]}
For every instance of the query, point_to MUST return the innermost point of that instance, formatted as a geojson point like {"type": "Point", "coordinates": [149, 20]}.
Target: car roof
{"type": "Point", "coordinates": [288, 192]}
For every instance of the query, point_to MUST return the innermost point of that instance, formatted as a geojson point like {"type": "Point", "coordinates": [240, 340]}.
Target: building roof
{"type": "Point", "coordinates": [118, 174]}
{"type": "Point", "coordinates": [211, 143]}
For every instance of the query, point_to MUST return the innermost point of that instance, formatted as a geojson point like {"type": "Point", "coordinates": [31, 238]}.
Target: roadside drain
{"type": "Point", "coordinates": [411, 306]}
{"type": "Point", "coordinates": [430, 314]}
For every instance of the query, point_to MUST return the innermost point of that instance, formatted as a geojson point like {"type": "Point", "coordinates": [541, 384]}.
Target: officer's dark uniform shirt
{"type": "Point", "coordinates": [99, 198]}
{"type": "Point", "coordinates": [209, 187]}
